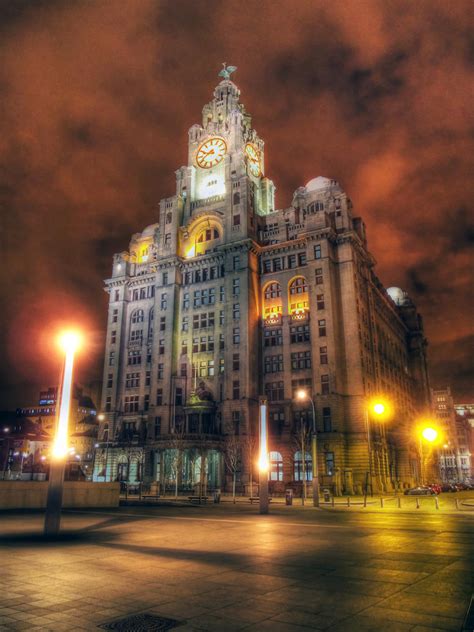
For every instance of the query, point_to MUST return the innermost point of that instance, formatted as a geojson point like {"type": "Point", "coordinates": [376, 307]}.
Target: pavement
{"type": "Point", "coordinates": [225, 567]}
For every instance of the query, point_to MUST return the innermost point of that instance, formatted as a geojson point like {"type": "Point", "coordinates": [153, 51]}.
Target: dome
{"type": "Point", "coordinates": [149, 230]}
{"type": "Point", "coordinates": [397, 295]}
{"type": "Point", "coordinates": [319, 183]}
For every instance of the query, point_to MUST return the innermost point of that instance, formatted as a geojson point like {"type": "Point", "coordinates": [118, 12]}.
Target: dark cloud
{"type": "Point", "coordinates": [96, 102]}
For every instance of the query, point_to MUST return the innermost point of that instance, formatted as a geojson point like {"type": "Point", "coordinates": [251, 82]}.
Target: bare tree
{"type": "Point", "coordinates": [248, 444]}
{"type": "Point", "coordinates": [232, 458]}
{"type": "Point", "coordinates": [302, 440]}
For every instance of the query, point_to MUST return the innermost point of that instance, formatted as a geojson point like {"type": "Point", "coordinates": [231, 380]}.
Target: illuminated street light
{"type": "Point", "coordinates": [430, 435]}
{"type": "Point", "coordinates": [263, 463]}
{"type": "Point", "coordinates": [69, 343]}
{"type": "Point", "coordinates": [303, 396]}
{"type": "Point", "coordinates": [379, 410]}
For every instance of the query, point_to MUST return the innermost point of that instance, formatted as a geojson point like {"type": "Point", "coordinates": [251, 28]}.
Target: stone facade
{"type": "Point", "coordinates": [225, 299]}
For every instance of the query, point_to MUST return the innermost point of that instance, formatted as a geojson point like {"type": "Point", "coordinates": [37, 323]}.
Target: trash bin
{"type": "Point", "coordinates": [217, 496]}
{"type": "Point", "coordinates": [289, 496]}
{"type": "Point", "coordinates": [327, 495]}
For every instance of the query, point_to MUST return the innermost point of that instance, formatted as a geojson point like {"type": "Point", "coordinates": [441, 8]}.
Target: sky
{"type": "Point", "coordinates": [97, 98]}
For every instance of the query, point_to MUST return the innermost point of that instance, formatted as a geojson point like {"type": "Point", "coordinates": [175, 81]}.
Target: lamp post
{"type": "Point", "coordinates": [303, 395]}
{"type": "Point", "coordinates": [430, 435]}
{"type": "Point", "coordinates": [69, 342]}
{"type": "Point", "coordinates": [7, 451]}
{"type": "Point", "coordinates": [263, 464]}
{"type": "Point", "coordinates": [379, 409]}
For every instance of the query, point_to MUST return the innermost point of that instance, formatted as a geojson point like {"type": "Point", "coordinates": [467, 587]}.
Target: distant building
{"type": "Point", "coordinates": [454, 456]}
{"type": "Point", "coordinates": [225, 299]}
{"type": "Point", "coordinates": [24, 447]}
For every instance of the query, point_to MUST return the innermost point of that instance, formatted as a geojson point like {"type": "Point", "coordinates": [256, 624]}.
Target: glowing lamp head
{"type": "Point", "coordinates": [301, 395]}
{"type": "Point", "coordinates": [263, 463]}
{"type": "Point", "coordinates": [379, 408]}
{"type": "Point", "coordinates": [430, 434]}
{"type": "Point", "coordinates": [70, 341]}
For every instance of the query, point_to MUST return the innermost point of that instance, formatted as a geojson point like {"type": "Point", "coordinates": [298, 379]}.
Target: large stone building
{"type": "Point", "coordinates": [454, 455]}
{"type": "Point", "coordinates": [225, 299]}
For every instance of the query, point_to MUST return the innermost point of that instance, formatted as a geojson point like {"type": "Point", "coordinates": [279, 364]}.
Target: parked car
{"type": "Point", "coordinates": [448, 487]}
{"type": "Point", "coordinates": [420, 491]}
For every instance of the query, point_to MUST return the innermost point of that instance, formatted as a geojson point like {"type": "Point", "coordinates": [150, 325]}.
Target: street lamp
{"type": "Point", "coordinates": [430, 435]}
{"type": "Point", "coordinates": [7, 451]}
{"type": "Point", "coordinates": [69, 342]}
{"type": "Point", "coordinates": [377, 409]}
{"type": "Point", "coordinates": [302, 396]}
{"type": "Point", "coordinates": [263, 463]}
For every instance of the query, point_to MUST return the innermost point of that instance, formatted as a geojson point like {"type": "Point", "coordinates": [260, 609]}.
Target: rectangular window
{"type": "Point", "coordinates": [161, 371]}
{"type": "Point", "coordinates": [236, 311]}
{"type": "Point", "coordinates": [165, 278]}
{"type": "Point", "coordinates": [221, 317]}
{"type": "Point", "coordinates": [267, 265]}
{"type": "Point", "coordinates": [221, 365]}
{"type": "Point", "coordinates": [159, 397]}
{"type": "Point", "coordinates": [302, 259]}
{"type": "Point", "coordinates": [325, 384]}
{"type": "Point", "coordinates": [300, 360]}
{"type": "Point", "coordinates": [110, 380]}
{"type": "Point", "coordinates": [162, 323]}
{"type": "Point", "coordinates": [299, 333]}
{"type": "Point", "coordinates": [115, 316]}
{"type": "Point", "coordinates": [236, 336]}
{"type": "Point", "coordinates": [134, 357]}
{"type": "Point", "coordinates": [196, 321]}
{"type": "Point", "coordinates": [195, 345]}
{"type": "Point", "coordinates": [210, 343]}
{"type": "Point", "coordinates": [236, 262]}
{"type": "Point", "coordinates": [236, 287]}
{"type": "Point", "coordinates": [117, 295]}
{"type": "Point", "coordinates": [136, 335]}
{"type": "Point", "coordinates": [186, 300]}
{"type": "Point", "coordinates": [317, 251]}
{"type": "Point", "coordinates": [274, 364]}
{"type": "Point", "coordinates": [146, 402]}
{"type": "Point", "coordinates": [319, 276]}
{"type": "Point", "coordinates": [157, 426]}
{"type": "Point", "coordinates": [327, 422]}
{"type": "Point", "coordinates": [273, 337]}
{"type": "Point", "coordinates": [178, 396]}
{"type": "Point", "coordinates": [329, 460]}
{"type": "Point", "coordinates": [184, 370]}
{"type": "Point", "coordinates": [185, 323]}
{"type": "Point", "coordinates": [108, 404]}
{"type": "Point", "coordinates": [322, 328]}
{"type": "Point", "coordinates": [236, 220]}
{"type": "Point", "coordinates": [236, 362]}
{"type": "Point", "coordinates": [132, 380]}
{"type": "Point", "coordinates": [210, 368]}
{"type": "Point", "coordinates": [148, 378]}
{"type": "Point", "coordinates": [320, 301]}
{"type": "Point", "coordinates": [131, 404]}
{"type": "Point", "coordinates": [113, 337]}
{"type": "Point", "coordinates": [161, 346]}
{"type": "Point", "coordinates": [164, 301]}
{"type": "Point", "coordinates": [222, 294]}
{"type": "Point", "coordinates": [323, 355]}
{"type": "Point", "coordinates": [112, 358]}
{"type": "Point", "coordinates": [277, 265]}
{"type": "Point", "coordinates": [291, 261]}
{"type": "Point", "coordinates": [184, 347]}
{"type": "Point", "coordinates": [236, 389]}
{"type": "Point", "coordinates": [274, 391]}
{"type": "Point", "coordinates": [221, 342]}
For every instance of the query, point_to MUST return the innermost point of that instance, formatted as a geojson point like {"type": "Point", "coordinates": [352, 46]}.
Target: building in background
{"type": "Point", "coordinates": [454, 456]}
{"type": "Point", "coordinates": [225, 299]}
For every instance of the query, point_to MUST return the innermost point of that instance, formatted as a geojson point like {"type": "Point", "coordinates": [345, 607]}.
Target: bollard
{"type": "Point", "coordinates": [417, 503]}
{"type": "Point", "coordinates": [456, 500]}
{"type": "Point", "coordinates": [436, 502]}
{"type": "Point", "coordinates": [348, 501]}
{"type": "Point", "coordinates": [332, 501]}
{"type": "Point", "coordinates": [399, 502]}
{"type": "Point", "coordinates": [381, 502]}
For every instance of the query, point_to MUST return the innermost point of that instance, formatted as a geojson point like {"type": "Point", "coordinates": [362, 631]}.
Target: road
{"type": "Point", "coordinates": [225, 567]}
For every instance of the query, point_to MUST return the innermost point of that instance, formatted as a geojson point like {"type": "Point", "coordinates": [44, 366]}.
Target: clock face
{"type": "Point", "coordinates": [253, 159]}
{"type": "Point", "coordinates": [211, 152]}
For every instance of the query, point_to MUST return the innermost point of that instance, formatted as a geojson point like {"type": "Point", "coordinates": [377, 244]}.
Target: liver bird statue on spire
{"type": "Point", "coordinates": [227, 71]}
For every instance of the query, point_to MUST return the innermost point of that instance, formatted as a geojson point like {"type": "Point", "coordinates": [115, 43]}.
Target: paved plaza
{"type": "Point", "coordinates": [224, 567]}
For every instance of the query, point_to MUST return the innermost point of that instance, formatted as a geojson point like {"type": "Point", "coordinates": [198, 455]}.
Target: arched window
{"type": "Point", "coordinates": [276, 466]}
{"type": "Point", "coordinates": [207, 235]}
{"type": "Point", "coordinates": [137, 316]}
{"type": "Point", "coordinates": [273, 290]}
{"type": "Point", "coordinates": [298, 286]}
{"type": "Point", "coordinates": [298, 466]}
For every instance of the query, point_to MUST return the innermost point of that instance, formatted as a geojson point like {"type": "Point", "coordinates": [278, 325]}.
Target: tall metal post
{"type": "Point", "coordinates": [314, 456]}
{"type": "Point", "coordinates": [263, 458]}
